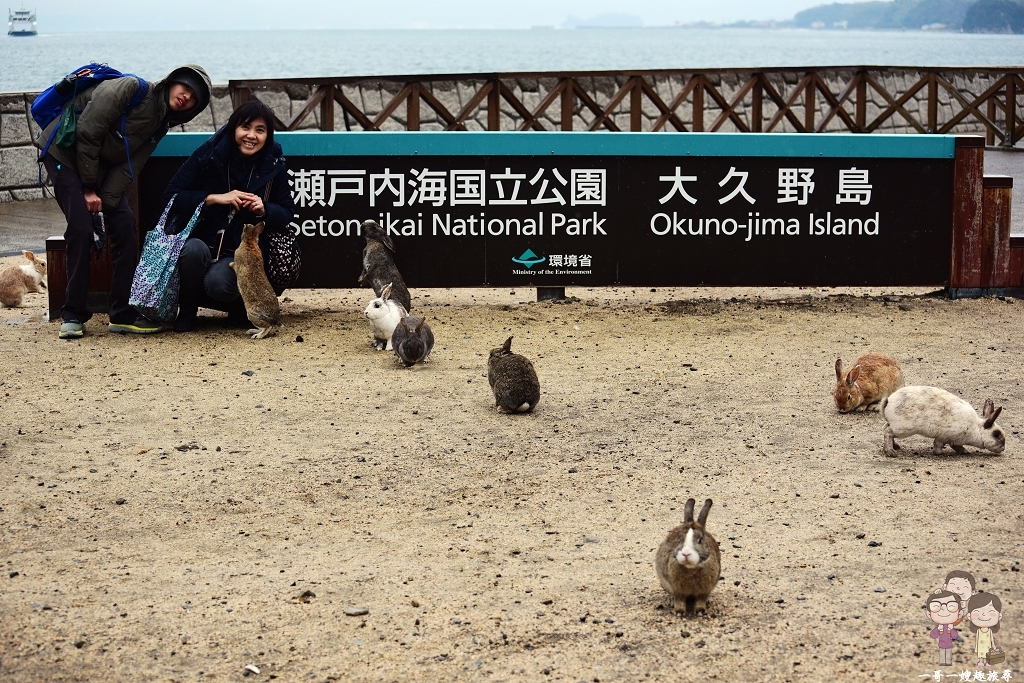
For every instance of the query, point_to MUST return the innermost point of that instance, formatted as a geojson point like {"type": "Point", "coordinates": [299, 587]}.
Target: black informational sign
{"type": "Point", "coordinates": [588, 220]}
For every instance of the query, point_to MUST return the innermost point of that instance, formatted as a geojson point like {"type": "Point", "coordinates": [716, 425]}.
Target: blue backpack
{"type": "Point", "coordinates": [53, 103]}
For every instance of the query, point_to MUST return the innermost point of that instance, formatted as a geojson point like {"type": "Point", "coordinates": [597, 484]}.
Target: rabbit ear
{"type": "Point", "coordinates": [419, 328]}
{"type": "Point", "coordinates": [702, 518]}
{"type": "Point", "coordinates": [386, 292]}
{"type": "Point", "coordinates": [992, 418]}
{"type": "Point", "coordinates": [29, 255]}
{"type": "Point", "coordinates": [259, 227]}
{"type": "Point", "coordinates": [507, 346]}
{"type": "Point", "coordinates": [688, 511]}
{"type": "Point", "coordinates": [839, 369]}
{"type": "Point", "coordinates": [989, 407]}
{"type": "Point", "coordinates": [854, 374]}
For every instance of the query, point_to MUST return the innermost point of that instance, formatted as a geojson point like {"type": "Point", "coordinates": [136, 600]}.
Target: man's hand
{"type": "Point", "coordinates": [92, 201]}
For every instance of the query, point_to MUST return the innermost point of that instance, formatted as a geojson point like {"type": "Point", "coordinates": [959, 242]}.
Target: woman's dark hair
{"type": "Point", "coordinates": [249, 112]}
{"type": "Point", "coordinates": [979, 600]}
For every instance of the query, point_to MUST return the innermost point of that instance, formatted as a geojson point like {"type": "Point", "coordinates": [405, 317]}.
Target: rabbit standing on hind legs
{"type": "Point", "coordinates": [379, 267]}
{"type": "Point", "coordinates": [688, 563]}
{"type": "Point", "coordinates": [261, 304]}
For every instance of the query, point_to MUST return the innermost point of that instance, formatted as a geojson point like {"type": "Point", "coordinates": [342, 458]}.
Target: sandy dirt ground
{"type": "Point", "coordinates": [180, 506]}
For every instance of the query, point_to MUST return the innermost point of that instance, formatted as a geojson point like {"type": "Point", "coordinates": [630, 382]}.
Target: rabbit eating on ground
{"type": "Point", "coordinates": [513, 379]}
{"type": "Point", "coordinates": [873, 377]}
{"type": "Point", "coordinates": [261, 304]}
{"type": "Point", "coordinates": [688, 563]}
{"type": "Point", "coordinates": [941, 416]}
{"type": "Point", "coordinates": [17, 281]}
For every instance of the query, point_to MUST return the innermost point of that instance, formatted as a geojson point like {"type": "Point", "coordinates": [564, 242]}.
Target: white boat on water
{"type": "Point", "coordinates": [21, 22]}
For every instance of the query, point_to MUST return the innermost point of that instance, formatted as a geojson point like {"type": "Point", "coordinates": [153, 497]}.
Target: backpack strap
{"type": "Point", "coordinates": [136, 100]}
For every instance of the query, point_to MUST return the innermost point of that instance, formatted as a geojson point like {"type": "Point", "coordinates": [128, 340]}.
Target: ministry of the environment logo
{"type": "Point", "coordinates": [529, 259]}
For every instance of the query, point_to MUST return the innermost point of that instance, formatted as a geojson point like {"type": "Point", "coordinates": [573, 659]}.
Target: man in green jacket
{"type": "Point", "coordinates": [92, 175]}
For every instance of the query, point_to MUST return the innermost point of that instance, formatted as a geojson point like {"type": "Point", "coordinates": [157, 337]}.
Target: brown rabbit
{"type": "Point", "coordinates": [513, 379]}
{"type": "Point", "coordinates": [874, 376]}
{"type": "Point", "coordinates": [17, 281]}
{"type": "Point", "coordinates": [261, 304]}
{"type": "Point", "coordinates": [688, 563]}
{"type": "Point", "coordinates": [379, 267]}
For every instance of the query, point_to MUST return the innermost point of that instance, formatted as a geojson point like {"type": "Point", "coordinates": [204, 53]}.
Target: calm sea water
{"type": "Point", "coordinates": [36, 62]}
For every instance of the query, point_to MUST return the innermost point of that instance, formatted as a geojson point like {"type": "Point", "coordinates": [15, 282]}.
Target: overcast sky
{"type": "Point", "coordinates": [76, 15]}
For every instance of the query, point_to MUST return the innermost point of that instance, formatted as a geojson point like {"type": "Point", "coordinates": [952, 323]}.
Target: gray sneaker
{"type": "Point", "coordinates": [141, 325]}
{"type": "Point", "coordinates": [71, 329]}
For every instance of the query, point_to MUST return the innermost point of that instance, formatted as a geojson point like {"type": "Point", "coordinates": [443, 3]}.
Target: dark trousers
{"type": "Point", "coordinates": [204, 282]}
{"type": "Point", "coordinates": [78, 240]}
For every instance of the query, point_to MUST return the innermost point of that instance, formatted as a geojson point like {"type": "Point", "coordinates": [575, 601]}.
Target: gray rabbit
{"type": "Point", "coordinates": [412, 340]}
{"type": "Point", "coordinates": [513, 379]}
{"type": "Point", "coordinates": [379, 264]}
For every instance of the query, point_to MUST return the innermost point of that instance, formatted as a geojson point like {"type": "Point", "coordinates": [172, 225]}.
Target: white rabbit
{"type": "Point", "coordinates": [384, 315]}
{"type": "Point", "coordinates": [941, 416]}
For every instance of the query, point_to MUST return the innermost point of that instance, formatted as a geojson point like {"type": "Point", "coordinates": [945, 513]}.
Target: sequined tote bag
{"type": "Point", "coordinates": [155, 285]}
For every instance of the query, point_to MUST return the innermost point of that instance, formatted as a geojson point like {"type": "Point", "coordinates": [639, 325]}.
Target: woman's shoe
{"type": "Point", "coordinates": [141, 325]}
{"type": "Point", "coordinates": [186, 320]}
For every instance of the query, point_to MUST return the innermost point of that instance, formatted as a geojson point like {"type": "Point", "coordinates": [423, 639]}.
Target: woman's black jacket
{"type": "Point", "coordinates": [207, 172]}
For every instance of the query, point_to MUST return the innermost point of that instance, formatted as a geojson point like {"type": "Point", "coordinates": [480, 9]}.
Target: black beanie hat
{"type": "Point", "coordinates": [188, 76]}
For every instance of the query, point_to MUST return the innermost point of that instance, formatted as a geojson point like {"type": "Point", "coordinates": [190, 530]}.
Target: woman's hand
{"type": "Point", "coordinates": [255, 205]}
{"type": "Point", "coordinates": [235, 198]}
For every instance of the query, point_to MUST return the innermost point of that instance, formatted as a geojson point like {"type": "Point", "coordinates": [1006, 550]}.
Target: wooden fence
{"type": "Point", "coordinates": [804, 100]}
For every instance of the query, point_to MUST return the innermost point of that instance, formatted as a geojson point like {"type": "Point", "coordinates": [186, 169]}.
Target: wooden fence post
{"type": "Point", "coordinates": [757, 105]}
{"type": "Point", "coordinates": [809, 105]}
{"type": "Point", "coordinates": [862, 101]}
{"type": "Point", "coordinates": [412, 108]}
{"type": "Point", "coordinates": [1011, 111]}
{"type": "Point", "coordinates": [995, 226]}
{"type": "Point", "coordinates": [327, 109]}
{"type": "Point", "coordinates": [240, 96]}
{"type": "Point", "coordinates": [698, 105]}
{"type": "Point", "coordinates": [494, 106]}
{"type": "Point", "coordinates": [567, 103]}
{"type": "Point", "coordinates": [636, 107]}
{"type": "Point", "coordinates": [968, 173]}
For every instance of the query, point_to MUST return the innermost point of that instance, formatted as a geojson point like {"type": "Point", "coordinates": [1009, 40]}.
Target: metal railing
{"type": "Point", "coordinates": [805, 100]}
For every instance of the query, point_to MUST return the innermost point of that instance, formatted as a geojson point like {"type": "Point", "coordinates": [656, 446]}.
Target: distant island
{"type": "Point", "coordinates": [971, 16]}
{"type": "Point", "coordinates": [975, 16]}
